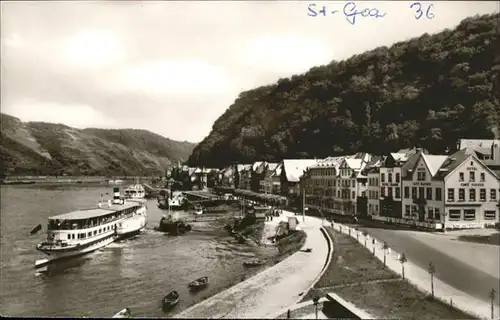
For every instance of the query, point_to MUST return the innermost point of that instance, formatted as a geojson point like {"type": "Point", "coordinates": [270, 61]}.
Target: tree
{"type": "Point", "coordinates": [402, 259]}
{"type": "Point", "coordinates": [432, 270]}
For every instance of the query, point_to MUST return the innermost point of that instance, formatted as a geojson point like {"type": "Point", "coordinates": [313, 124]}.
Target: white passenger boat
{"type": "Point", "coordinates": [135, 191]}
{"type": "Point", "coordinates": [83, 231]}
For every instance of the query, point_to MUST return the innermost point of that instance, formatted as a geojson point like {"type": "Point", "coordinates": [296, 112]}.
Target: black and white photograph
{"type": "Point", "coordinates": [250, 159]}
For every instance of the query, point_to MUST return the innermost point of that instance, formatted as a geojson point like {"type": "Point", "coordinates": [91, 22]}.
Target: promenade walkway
{"type": "Point", "coordinates": [275, 288]}
{"type": "Point", "coordinates": [421, 279]}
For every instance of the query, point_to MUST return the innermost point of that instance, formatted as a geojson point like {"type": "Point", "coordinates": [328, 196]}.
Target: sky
{"type": "Point", "coordinates": [174, 67]}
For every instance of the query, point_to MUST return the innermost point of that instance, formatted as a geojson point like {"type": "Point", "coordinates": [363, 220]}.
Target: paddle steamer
{"type": "Point", "coordinates": [83, 231]}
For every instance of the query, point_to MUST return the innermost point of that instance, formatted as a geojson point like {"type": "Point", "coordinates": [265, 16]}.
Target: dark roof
{"type": "Point", "coordinates": [408, 165]}
{"type": "Point", "coordinates": [453, 161]}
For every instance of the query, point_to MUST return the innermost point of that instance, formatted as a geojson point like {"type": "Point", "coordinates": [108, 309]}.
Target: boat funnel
{"type": "Point", "coordinates": [116, 195]}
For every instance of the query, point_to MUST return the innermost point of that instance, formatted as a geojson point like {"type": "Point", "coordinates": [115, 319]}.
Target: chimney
{"type": "Point", "coordinates": [495, 152]}
{"type": "Point", "coordinates": [116, 195]}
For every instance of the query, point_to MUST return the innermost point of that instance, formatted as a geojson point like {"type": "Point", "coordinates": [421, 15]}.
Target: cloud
{"type": "Point", "coordinates": [174, 67]}
{"type": "Point", "coordinates": [73, 115]}
{"type": "Point", "coordinates": [178, 77]}
{"type": "Point", "coordinates": [92, 48]}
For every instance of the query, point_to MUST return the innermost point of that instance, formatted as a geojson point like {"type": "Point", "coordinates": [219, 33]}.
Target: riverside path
{"type": "Point", "coordinates": [275, 288]}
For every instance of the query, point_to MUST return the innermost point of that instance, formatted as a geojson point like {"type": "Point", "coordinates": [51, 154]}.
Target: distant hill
{"type": "Point", "coordinates": [427, 91]}
{"type": "Point", "coordinates": [39, 148]}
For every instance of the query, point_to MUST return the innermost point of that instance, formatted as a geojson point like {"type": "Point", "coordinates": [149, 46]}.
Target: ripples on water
{"type": "Point", "coordinates": [134, 273]}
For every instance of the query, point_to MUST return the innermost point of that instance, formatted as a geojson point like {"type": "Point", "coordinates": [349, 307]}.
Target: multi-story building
{"type": "Point", "coordinates": [472, 192]}
{"type": "Point", "coordinates": [257, 174]}
{"type": "Point", "coordinates": [266, 184]}
{"type": "Point", "coordinates": [245, 176]}
{"type": "Point", "coordinates": [421, 192]}
{"type": "Point", "coordinates": [372, 173]}
{"type": "Point", "coordinates": [320, 184]}
{"type": "Point", "coordinates": [391, 183]}
{"type": "Point", "coordinates": [347, 185]}
{"type": "Point", "coordinates": [291, 172]}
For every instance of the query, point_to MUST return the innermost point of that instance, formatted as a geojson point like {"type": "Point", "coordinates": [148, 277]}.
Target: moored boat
{"type": "Point", "coordinates": [199, 283]}
{"type": "Point", "coordinates": [254, 263]}
{"type": "Point", "coordinates": [83, 231]}
{"type": "Point", "coordinates": [136, 221]}
{"type": "Point", "coordinates": [170, 300]}
{"type": "Point", "coordinates": [124, 313]}
{"type": "Point", "coordinates": [135, 191]}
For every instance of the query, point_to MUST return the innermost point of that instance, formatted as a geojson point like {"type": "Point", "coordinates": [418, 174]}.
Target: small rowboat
{"type": "Point", "coordinates": [199, 283]}
{"type": "Point", "coordinates": [170, 300]}
{"type": "Point", "coordinates": [124, 313]}
{"type": "Point", "coordinates": [254, 263]}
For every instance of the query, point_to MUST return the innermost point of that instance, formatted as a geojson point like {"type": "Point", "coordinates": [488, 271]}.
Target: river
{"type": "Point", "coordinates": [136, 273]}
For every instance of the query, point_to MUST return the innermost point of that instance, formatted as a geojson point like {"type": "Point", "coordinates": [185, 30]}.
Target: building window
{"type": "Point", "coordinates": [407, 210]}
{"type": "Point", "coordinates": [461, 194]}
{"type": "Point", "coordinates": [407, 192]}
{"type": "Point", "coordinates": [398, 192]}
{"type": "Point", "coordinates": [414, 192]}
{"type": "Point", "coordinates": [428, 192]}
{"type": "Point", "coordinates": [382, 192]}
{"type": "Point", "coordinates": [430, 212]}
{"type": "Point", "coordinates": [421, 191]}
{"type": "Point", "coordinates": [493, 194]}
{"type": "Point", "coordinates": [437, 214]}
{"type": "Point", "coordinates": [389, 177]}
{"type": "Point", "coordinates": [469, 214]}
{"type": "Point", "coordinates": [353, 195]}
{"type": "Point", "coordinates": [482, 177]}
{"type": "Point", "coordinates": [482, 194]}
{"type": "Point", "coordinates": [461, 176]}
{"type": "Point", "coordinates": [451, 194]}
{"type": "Point", "coordinates": [438, 194]}
{"type": "Point", "coordinates": [421, 175]}
{"type": "Point", "coordinates": [398, 177]}
{"type": "Point", "coordinates": [472, 194]}
{"type": "Point", "coordinates": [455, 215]}
{"type": "Point", "coordinates": [389, 192]}
{"type": "Point", "coordinates": [489, 214]}
{"type": "Point", "coordinates": [472, 176]}
{"type": "Point", "coordinates": [382, 177]}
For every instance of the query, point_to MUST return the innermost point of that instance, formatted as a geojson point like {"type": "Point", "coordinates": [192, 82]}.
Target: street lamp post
{"type": "Point", "coordinates": [402, 259]}
{"type": "Point", "coordinates": [374, 243]}
{"type": "Point", "coordinates": [432, 270]}
{"type": "Point", "coordinates": [385, 246]}
{"type": "Point", "coordinates": [492, 297]}
{"type": "Point", "coordinates": [316, 300]}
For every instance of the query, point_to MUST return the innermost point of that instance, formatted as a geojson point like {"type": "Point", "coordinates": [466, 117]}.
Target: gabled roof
{"type": "Point", "coordinates": [277, 171]}
{"type": "Point", "coordinates": [434, 162]}
{"type": "Point", "coordinates": [294, 168]}
{"type": "Point", "coordinates": [353, 163]}
{"type": "Point", "coordinates": [456, 159]}
{"type": "Point", "coordinates": [271, 166]}
{"type": "Point", "coordinates": [452, 162]}
{"type": "Point", "coordinates": [257, 165]}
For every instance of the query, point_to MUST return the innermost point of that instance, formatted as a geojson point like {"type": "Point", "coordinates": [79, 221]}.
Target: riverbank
{"type": "Point", "coordinates": [360, 278]}
{"type": "Point", "coordinates": [265, 294]}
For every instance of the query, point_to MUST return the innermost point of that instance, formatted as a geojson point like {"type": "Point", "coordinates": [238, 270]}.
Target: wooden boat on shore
{"type": "Point", "coordinates": [198, 284]}
{"type": "Point", "coordinates": [170, 300]}
{"type": "Point", "coordinates": [124, 313]}
{"type": "Point", "coordinates": [254, 263]}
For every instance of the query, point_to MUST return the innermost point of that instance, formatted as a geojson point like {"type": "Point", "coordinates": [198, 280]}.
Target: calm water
{"type": "Point", "coordinates": [136, 273]}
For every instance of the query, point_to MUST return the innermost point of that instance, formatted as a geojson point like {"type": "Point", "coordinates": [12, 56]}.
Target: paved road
{"type": "Point", "coordinates": [469, 267]}
{"type": "Point", "coordinates": [268, 292]}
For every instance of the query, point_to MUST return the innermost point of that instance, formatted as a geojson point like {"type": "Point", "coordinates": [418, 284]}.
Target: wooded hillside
{"type": "Point", "coordinates": [39, 148]}
{"type": "Point", "coordinates": [428, 91]}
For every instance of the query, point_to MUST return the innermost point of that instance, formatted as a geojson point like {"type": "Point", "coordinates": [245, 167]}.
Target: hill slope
{"type": "Point", "coordinates": [427, 91]}
{"type": "Point", "coordinates": [39, 148]}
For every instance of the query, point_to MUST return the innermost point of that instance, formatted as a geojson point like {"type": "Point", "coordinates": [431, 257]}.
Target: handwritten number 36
{"type": "Point", "coordinates": [419, 12]}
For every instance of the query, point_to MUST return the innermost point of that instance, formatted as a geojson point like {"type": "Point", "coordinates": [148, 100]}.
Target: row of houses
{"type": "Point", "coordinates": [459, 190]}
{"type": "Point", "coordinates": [411, 186]}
